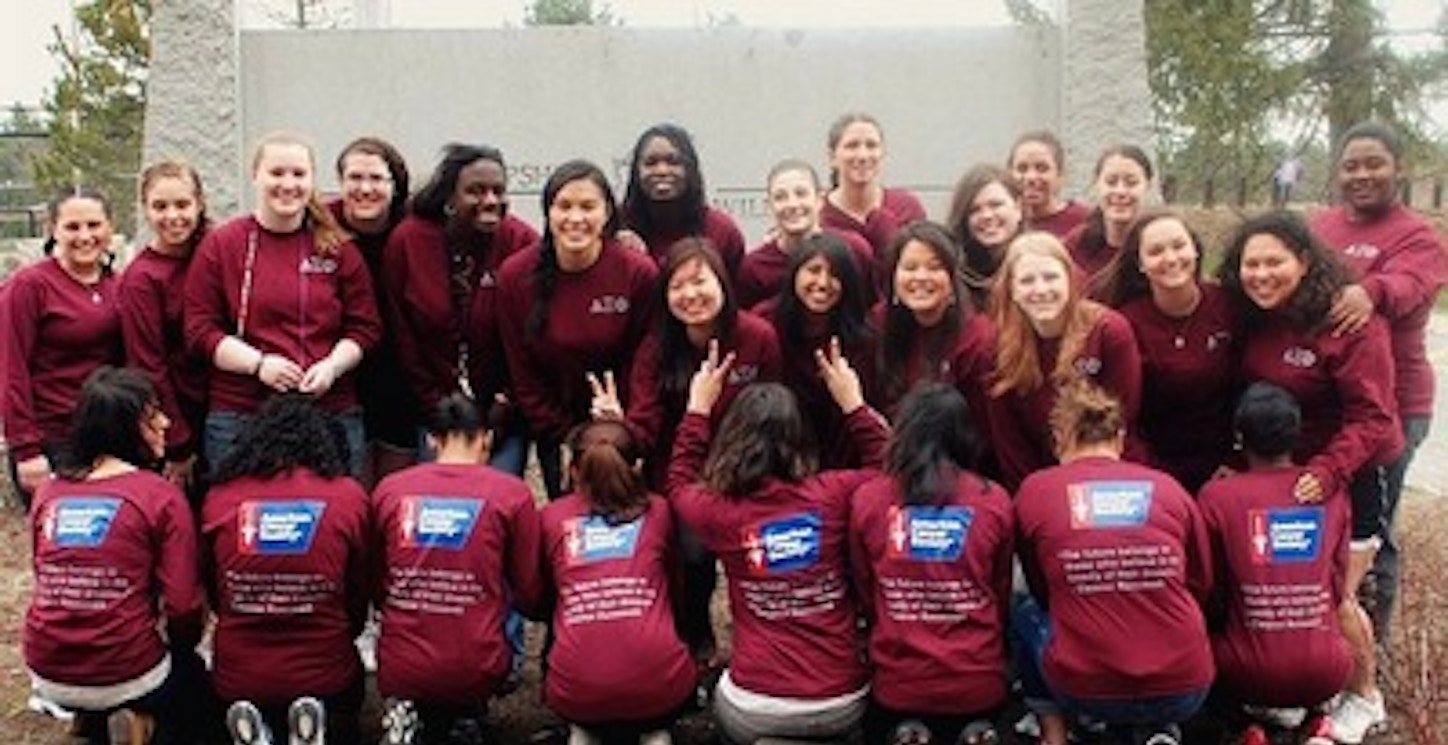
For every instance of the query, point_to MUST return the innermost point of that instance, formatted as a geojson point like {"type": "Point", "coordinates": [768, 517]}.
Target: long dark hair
{"type": "Point", "coordinates": [638, 209]}
{"type": "Point", "coordinates": [430, 202]}
{"type": "Point", "coordinates": [980, 261]}
{"type": "Point", "coordinates": [52, 215]}
{"type": "Point", "coordinates": [933, 441]}
{"type": "Point", "coordinates": [606, 471]}
{"type": "Point", "coordinates": [545, 272]}
{"type": "Point", "coordinates": [676, 360]}
{"type": "Point", "coordinates": [456, 414]}
{"type": "Point", "coordinates": [1093, 236]}
{"type": "Point", "coordinates": [114, 403]}
{"type": "Point", "coordinates": [286, 433]}
{"type": "Point", "coordinates": [1122, 280]}
{"type": "Point", "coordinates": [762, 437]}
{"type": "Point", "coordinates": [1326, 276]}
{"type": "Point", "coordinates": [847, 320]}
{"type": "Point", "coordinates": [900, 324]}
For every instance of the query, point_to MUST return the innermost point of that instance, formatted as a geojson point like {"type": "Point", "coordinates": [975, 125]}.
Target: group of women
{"type": "Point", "coordinates": [1060, 380]}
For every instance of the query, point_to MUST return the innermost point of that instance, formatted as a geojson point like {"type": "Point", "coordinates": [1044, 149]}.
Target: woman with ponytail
{"type": "Point", "coordinates": [612, 539]}
{"type": "Point", "coordinates": [152, 291]}
{"type": "Point", "coordinates": [460, 522]}
{"type": "Point", "coordinates": [933, 524]}
{"type": "Point", "coordinates": [577, 303]}
{"type": "Point", "coordinates": [280, 300]}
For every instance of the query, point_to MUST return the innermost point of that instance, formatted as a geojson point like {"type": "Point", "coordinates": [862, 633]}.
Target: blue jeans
{"type": "Point", "coordinates": [224, 427]}
{"type": "Point", "coordinates": [1031, 634]}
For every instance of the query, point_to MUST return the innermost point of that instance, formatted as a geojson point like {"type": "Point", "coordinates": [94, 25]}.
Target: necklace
{"type": "Point", "coordinates": [1181, 321]}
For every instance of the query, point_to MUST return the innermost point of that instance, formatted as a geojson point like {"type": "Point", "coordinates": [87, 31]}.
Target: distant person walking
{"type": "Point", "coordinates": [1284, 179]}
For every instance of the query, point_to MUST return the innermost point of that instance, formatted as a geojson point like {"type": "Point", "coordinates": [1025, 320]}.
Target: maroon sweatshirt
{"type": "Point", "coordinates": [1089, 263]}
{"type": "Point", "coordinates": [1063, 221]}
{"type": "Point", "coordinates": [1119, 557]}
{"type": "Point", "coordinates": [1279, 568]}
{"type": "Point", "coordinates": [801, 374]}
{"type": "Point", "coordinates": [1344, 385]}
{"type": "Point", "coordinates": [152, 294]}
{"type": "Point", "coordinates": [59, 332]}
{"type": "Point", "coordinates": [105, 551]}
{"type": "Point", "coordinates": [299, 304]}
{"type": "Point", "coordinates": [966, 362]}
{"type": "Point", "coordinates": [1402, 262]}
{"type": "Point", "coordinates": [765, 270]}
{"type": "Point", "coordinates": [287, 560]}
{"type": "Point", "coordinates": [1020, 425]}
{"type": "Point", "coordinates": [425, 326]}
{"type": "Point", "coordinates": [654, 414]}
{"type": "Point", "coordinates": [612, 618]}
{"type": "Point", "coordinates": [457, 546]}
{"type": "Point", "coordinates": [1189, 383]}
{"type": "Point", "coordinates": [935, 584]}
{"type": "Point", "coordinates": [897, 207]}
{"type": "Point", "coordinates": [718, 227]}
{"type": "Point", "coordinates": [596, 319]}
{"type": "Point", "coordinates": [783, 551]}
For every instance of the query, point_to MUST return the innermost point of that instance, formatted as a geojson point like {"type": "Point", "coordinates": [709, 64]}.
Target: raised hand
{"type": "Point", "coordinates": [840, 377]}
{"type": "Point", "coordinates": [606, 405]}
{"type": "Point", "coordinates": [708, 382]}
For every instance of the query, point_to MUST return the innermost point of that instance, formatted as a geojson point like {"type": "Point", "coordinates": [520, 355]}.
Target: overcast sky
{"type": "Point", "coordinates": [27, 67]}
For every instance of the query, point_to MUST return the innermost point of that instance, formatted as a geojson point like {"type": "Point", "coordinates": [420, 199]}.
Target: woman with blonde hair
{"type": "Point", "coordinates": [280, 300]}
{"type": "Point", "coordinates": [1048, 335]}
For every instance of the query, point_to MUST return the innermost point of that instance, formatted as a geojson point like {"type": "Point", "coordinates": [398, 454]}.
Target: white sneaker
{"type": "Point", "coordinates": [1290, 717]}
{"type": "Point", "coordinates": [307, 722]}
{"type": "Point", "coordinates": [1355, 716]}
{"type": "Point", "coordinates": [245, 724]}
{"type": "Point", "coordinates": [657, 737]}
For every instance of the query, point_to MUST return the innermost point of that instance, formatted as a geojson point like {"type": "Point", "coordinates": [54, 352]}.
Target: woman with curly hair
{"type": "Point", "coordinates": [285, 537]}
{"type": "Point", "coordinates": [1048, 335]}
{"type": "Point", "coordinates": [1284, 282]}
{"type": "Point", "coordinates": [1186, 329]}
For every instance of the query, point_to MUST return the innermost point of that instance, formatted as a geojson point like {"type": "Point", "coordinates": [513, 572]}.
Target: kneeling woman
{"type": "Point", "coordinates": [284, 553]}
{"type": "Point", "coordinates": [780, 529]}
{"type": "Point", "coordinates": [96, 646]}
{"type": "Point", "coordinates": [461, 525]}
{"type": "Point", "coordinates": [612, 536]}
{"type": "Point", "coordinates": [933, 525]}
{"type": "Point", "coordinates": [1117, 559]}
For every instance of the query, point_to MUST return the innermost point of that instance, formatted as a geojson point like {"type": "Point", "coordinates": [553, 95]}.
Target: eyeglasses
{"type": "Point", "coordinates": [366, 179]}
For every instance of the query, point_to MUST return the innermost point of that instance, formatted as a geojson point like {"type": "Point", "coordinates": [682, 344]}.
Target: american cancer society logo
{"type": "Point", "coordinates": [438, 522]}
{"type": "Point", "coordinates": [592, 538]}
{"type": "Point", "coordinates": [1286, 535]}
{"type": "Point", "coordinates": [80, 522]}
{"type": "Point", "coordinates": [784, 545]}
{"type": "Point", "coordinates": [1109, 504]}
{"type": "Point", "coordinates": [278, 528]}
{"type": "Point", "coordinates": [925, 533]}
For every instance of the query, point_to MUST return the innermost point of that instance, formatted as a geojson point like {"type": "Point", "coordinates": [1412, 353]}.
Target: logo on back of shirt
{"type": "Point", "coordinates": [1286, 535]}
{"type": "Point", "coordinates": [278, 528]}
{"type": "Point", "coordinates": [79, 522]}
{"type": "Point", "coordinates": [1109, 504]}
{"type": "Point", "coordinates": [1364, 251]}
{"type": "Point", "coordinates": [609, 305]}
{"type": "Point", "coordinates": [928, 533]}
{"type": "Point", "coordinates": [784, 545]}
{"type": "Point", "coordinates": [1300, 357]}
{"type": "Point", "coordinates": [592, 538]}
{"type": "Point", "coordinates": [438, 522]}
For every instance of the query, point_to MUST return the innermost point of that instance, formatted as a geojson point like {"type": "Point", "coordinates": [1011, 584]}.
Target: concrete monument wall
{"type": "Point", "coordinates": [947, 98]}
